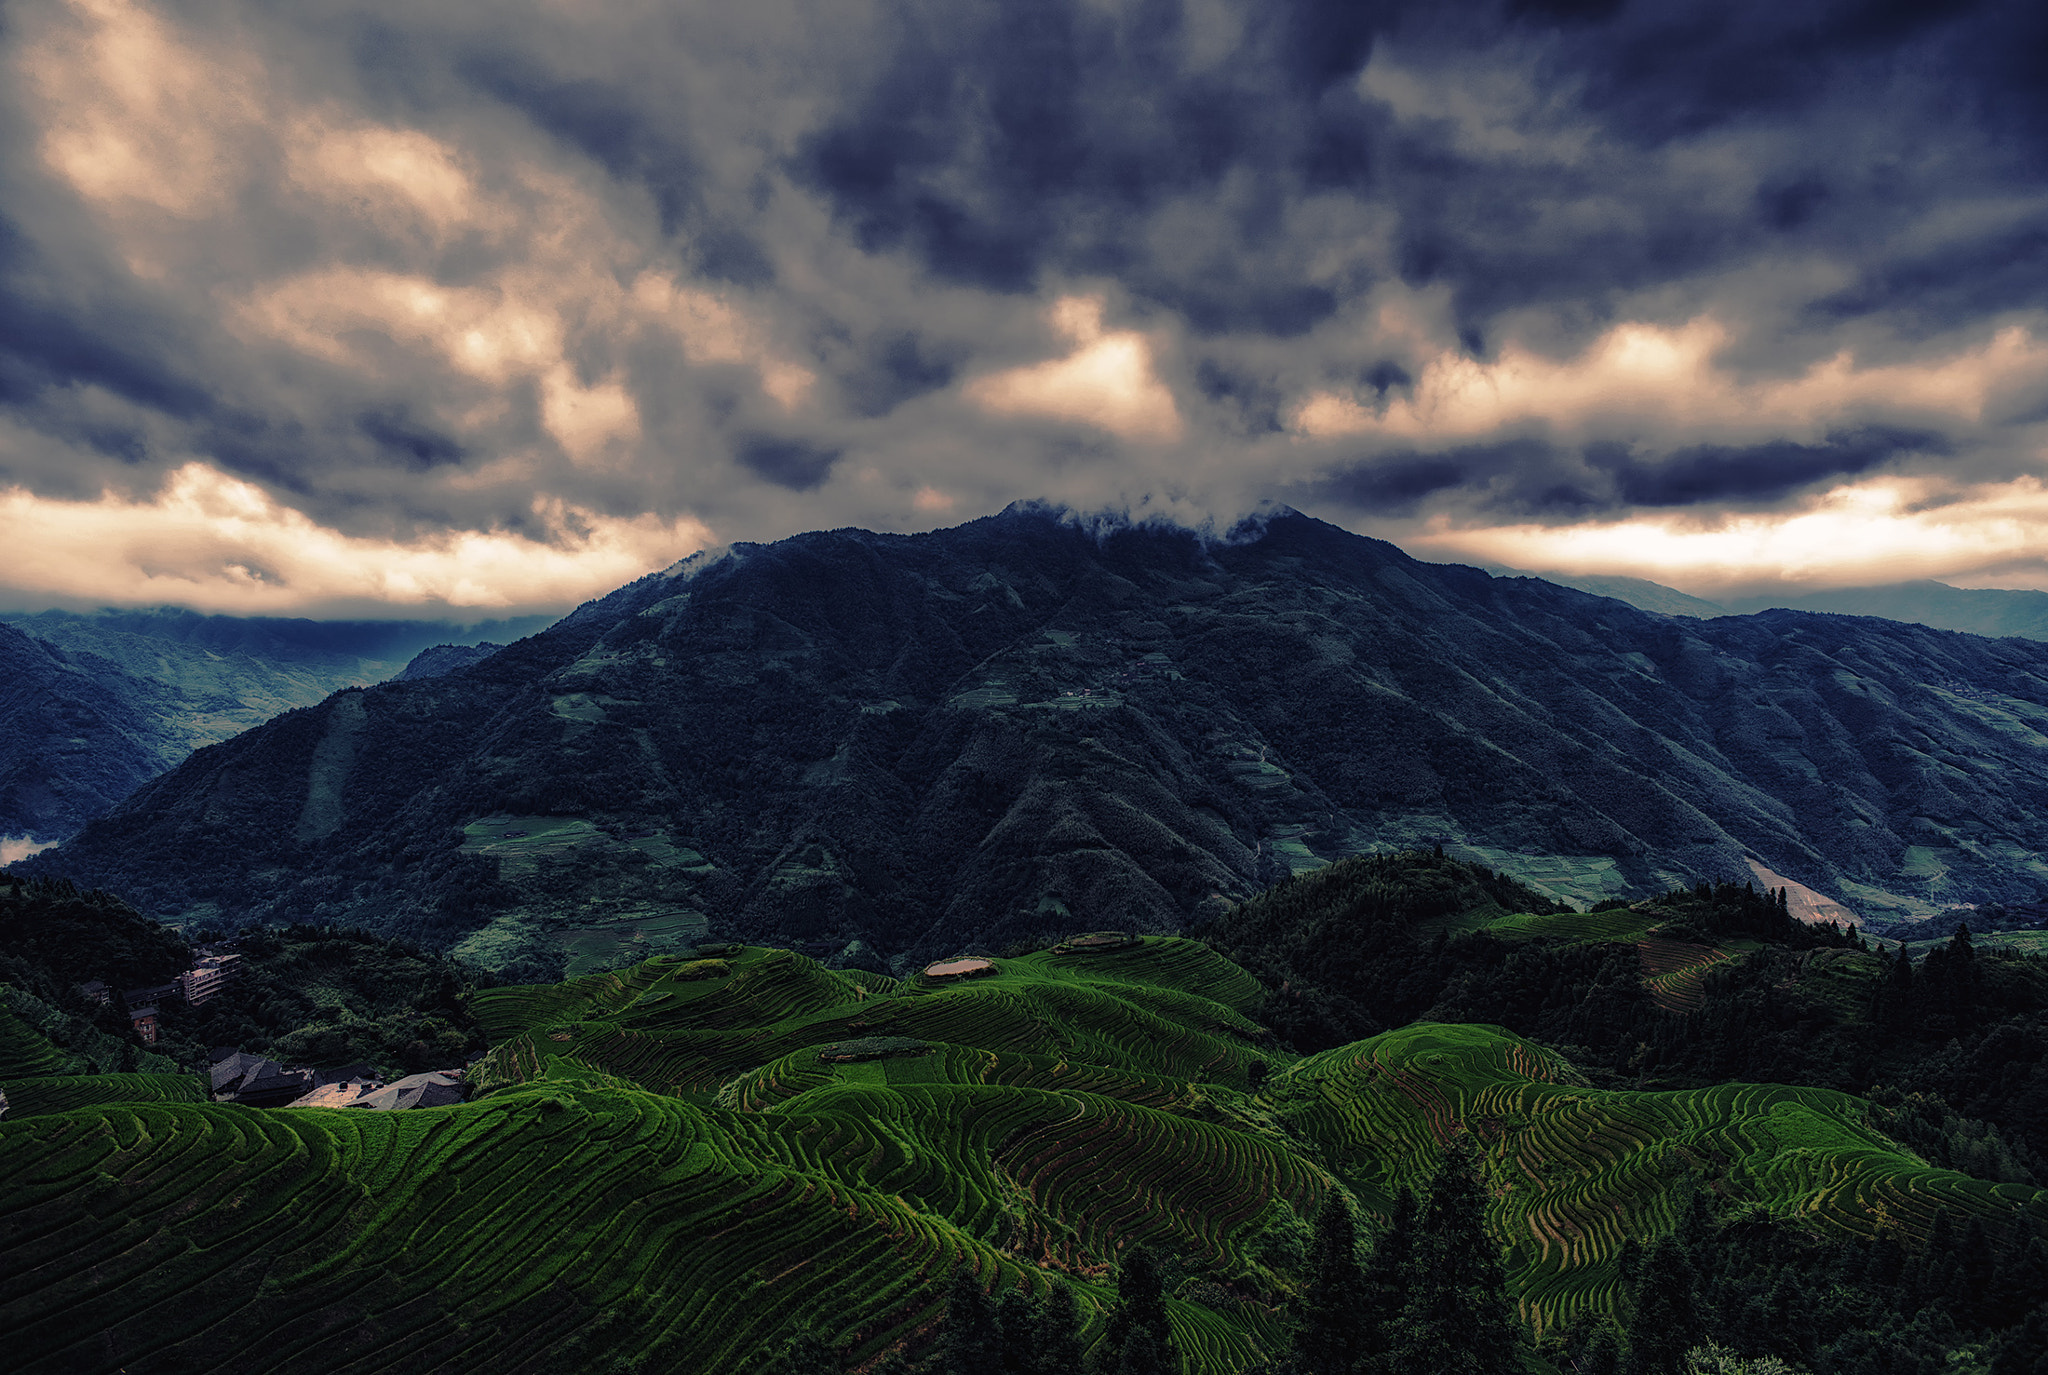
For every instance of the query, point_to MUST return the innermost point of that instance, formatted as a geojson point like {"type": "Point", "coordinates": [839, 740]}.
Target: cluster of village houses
{"type": "Point", "coordinates": [239, 1077]}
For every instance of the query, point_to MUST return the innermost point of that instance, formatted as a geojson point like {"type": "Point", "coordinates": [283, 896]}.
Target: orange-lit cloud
{"type": "Point", "coordinates": [1637, 375]}
{"type": "Point", "coordinates": [1107, 381]}
{"type": "Point", "coordinates": [682, 260]}
{"type": "Point", "coordinates": [390, 175]}
{"type": "Point", "coordinates": [1878, 531]}
{"type": "Point", "coordinates": [137, 115]}
{"type": "Point", "coordinates": [209, 541]}
{"type": "Point", "coordinates": [714, 330]}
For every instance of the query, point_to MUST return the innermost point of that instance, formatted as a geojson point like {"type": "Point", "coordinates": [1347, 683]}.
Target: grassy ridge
{"type": "Point", "coordinates": [26, 1053]}
{"type": "Point", "coordinates": [63, 1092]}
{"type": "Point", "coordinates": [663, 1169]}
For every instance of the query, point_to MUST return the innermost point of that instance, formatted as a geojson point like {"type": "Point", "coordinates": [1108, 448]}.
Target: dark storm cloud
{"type": "Point", "coordinates": [1757, 472]}
{"type": "Point", "coordinates": [602, 275]}
{"type": "Point", "coordinates": [1003, 140]}
{"type": "Point", "coordinates": [1526, 478]}
{"type": "Point", "coordinates": [793, 463]}
{"type": "Point", "coordinates": [1395, 484]}
{"type": "Point", "coordinates": [53, 343]}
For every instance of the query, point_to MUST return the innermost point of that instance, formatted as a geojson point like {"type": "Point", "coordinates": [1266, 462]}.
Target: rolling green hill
{"type": "Point", "coordinates": [677, 1163]}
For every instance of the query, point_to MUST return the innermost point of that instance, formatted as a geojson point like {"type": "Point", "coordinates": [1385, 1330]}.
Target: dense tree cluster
{"type": "Point", "coordinates": [328, 997]}
{"type": "Point", "coordinates": [311, 995]}
{"type": "Point", "coordinates": [53, 937]}
{"type": "Point", "coordinates": [1382, 941]}
{"type": "Point", "coordinates": [1759, 1288]}
{"type": "Point", "coordinates": [1431, 1297]}
{"type": "Point", "coordinates": [1016, 1335]}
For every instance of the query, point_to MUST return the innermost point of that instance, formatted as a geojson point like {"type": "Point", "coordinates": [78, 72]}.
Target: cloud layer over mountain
{"type": "Point", "coordinates": [362, 304]}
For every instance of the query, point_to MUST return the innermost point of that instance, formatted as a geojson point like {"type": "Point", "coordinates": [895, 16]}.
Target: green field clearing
{"type": "Point", "coordinates": [2025, 942]}
{"type": "Point", "coordinates": [629, 940]}
{"type": "Point", "coordinates": [521, 842]}
{"type": "Point", "coordinates": [1620, 923]}
{"type": "Point", "coordinates": [662, 1168]}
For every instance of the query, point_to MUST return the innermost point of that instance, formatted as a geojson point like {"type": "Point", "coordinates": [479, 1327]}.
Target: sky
{"type": "Point", "coordinates": [360, 308]}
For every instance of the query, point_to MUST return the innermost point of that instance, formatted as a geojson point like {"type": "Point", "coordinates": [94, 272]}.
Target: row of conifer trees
{"type": "Point", "coordinates": [1429, 1296]}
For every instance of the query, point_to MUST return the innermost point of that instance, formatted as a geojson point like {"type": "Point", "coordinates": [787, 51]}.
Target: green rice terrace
{"type": "Point", "coordinates": [676, 1163]}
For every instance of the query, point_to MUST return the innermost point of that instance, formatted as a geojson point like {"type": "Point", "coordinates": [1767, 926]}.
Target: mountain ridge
{"type": "Point", "coordinates": [135, 691]}
{"type": "Point", "coordinates": [925, 741]}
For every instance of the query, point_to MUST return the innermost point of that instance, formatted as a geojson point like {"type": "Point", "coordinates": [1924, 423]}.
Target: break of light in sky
{"type": "Point", "coordinates": [378, 306]}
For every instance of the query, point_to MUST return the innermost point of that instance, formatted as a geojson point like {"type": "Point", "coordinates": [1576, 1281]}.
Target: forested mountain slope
{"type": "Point", "coordinates": [1020, 725]}
{"type": "Point", "coordinates": [77, 734]}
{"type": "Point", "coordinates": [91, 705]}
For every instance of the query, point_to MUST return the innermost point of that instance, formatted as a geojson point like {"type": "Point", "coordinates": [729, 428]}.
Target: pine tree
{"type": "Point", "coordinates": [1015, 1319]}
{"type": "Point", "coordinates": [1142, 1355]}
{"type": "Point", "coordinates": [1898, 992]}
{"type": "Point", "coordinates": [1665, 1321]}
{"type": "Point", "coordinates": [1603, 1352]}
{"type": "Point", "coordinates": [1056, 1333]}
{"type": "Point", "coordinates": [2023, 1350]}
{"type": "Point", "coordinates": [1458, 1319]}
{"type": "Point", "coordinates": [1328, 1341]}
{"type": "Point", "coordinates": [1928, 1277]}
{"type": "Point", "coordinates": [1387, 1279]}
{"type": "Point", "coordinates": [968, 1343]}
{"type": "Point", "coordinates": [1140, 1306]}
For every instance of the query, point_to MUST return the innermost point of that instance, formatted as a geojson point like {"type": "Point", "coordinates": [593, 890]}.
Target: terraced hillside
{"type": "Point", "coordinates": [1575, 1170]}
{"type": "Point", "coordinates": [674, 1163]}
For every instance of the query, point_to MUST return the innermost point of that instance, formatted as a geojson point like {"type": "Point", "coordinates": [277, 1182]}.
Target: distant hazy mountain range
{"type": "Point", "coordinates": [1018, 725]}
{"type": "Point", "coordinates": [91, 705]}
{"type": "Point", "coordinates": [1977, 611]}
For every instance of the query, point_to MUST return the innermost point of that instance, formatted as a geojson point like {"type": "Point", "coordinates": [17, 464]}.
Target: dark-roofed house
{"type": "Point", "coordinates": [239, 1077]}
{"type": "Point", "coordinates": [438, 1089]}
{"type": "Point", "coordinates": [156, 993]}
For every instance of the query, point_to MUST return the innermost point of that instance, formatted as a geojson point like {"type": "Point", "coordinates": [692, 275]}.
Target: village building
{"type": "Point", "coordinates": [153, 995]}
{"type": "Point", "coordinates": [438, 1089]}
{"type": "Point", "coordinates": [209, 976]}
{"type": "Point", "coordinates": [239, 1077]}
{"type": "Point", "coordinates": [346, 1093]}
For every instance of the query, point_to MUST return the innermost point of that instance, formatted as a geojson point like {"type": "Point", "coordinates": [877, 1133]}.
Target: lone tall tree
{"type": "Point", "coordinates": [1056, 1333]}
{"type": "Point", "coordinates": [1458, 1319]}
{"type": "Point", "coordinates": [1388, 1277]}
{"type": "Point", "coordinates": [1140, 1306]}
{"type": "Point", "coordinates": [969, 1344]}
{"type": "Point", "coordinates": [1665, 1321]}
{"type": "Point", "coordinates": [1328, 1342]}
